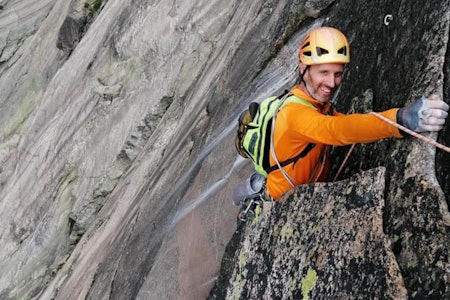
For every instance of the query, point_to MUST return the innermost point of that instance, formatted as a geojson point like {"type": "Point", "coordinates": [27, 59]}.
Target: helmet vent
{"type": "Point", "coordinates": [343, 50]}
{"type": "Point", "coordinates": [306, 45]}
{"type": "Point", "coordinates": [321, 51]}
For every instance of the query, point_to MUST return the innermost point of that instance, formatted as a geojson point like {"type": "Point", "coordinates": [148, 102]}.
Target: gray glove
{"type": "Point", "coordinates": [426, 114]}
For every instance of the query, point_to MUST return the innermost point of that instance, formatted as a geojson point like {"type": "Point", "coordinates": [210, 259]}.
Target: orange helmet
{"type": "Point", "coordinates": [324, 45]}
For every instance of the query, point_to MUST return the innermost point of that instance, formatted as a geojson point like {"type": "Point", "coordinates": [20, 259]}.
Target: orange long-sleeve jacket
{"type": "Point", "coordinates": [297, 125]}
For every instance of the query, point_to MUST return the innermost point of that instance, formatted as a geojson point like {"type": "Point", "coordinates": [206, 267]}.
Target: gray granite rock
{"type": "Point", "coordinates": [116, 136]}
{"type": "Point", "coordinates": [320, 241]}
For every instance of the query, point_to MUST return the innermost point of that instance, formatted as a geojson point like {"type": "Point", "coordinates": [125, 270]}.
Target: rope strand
{"type": "Point", "coordinates": [344, 162]}
{"type": "Point", "coordinates": [415, 134]}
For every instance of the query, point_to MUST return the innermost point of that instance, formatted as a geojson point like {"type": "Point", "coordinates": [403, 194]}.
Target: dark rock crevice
{"type": "Point", "coordinates": [443, 157]}
{"type": "Point", "coordinates": [78, 21]}
{"type": "Point", "coordinates": [81, 219]}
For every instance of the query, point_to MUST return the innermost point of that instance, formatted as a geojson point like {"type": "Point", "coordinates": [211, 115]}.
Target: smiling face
{"type": "Point", "coordinates": [322, 80]}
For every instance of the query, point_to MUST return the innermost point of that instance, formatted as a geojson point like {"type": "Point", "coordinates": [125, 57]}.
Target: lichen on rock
{"type": "Point", "coordinates": [331, 243]}
{"type": "Point", "coordinates": [308, 283]}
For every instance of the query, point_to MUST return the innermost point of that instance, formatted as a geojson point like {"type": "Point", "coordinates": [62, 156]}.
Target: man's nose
{"type": "Point", "coordinates": [331, 81]}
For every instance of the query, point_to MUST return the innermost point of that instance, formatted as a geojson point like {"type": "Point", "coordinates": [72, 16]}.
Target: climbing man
{"type": "Point", "coordinates": [323, 55]}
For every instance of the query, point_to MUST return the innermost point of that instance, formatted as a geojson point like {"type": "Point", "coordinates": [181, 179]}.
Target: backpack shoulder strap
{"type": "Point", "coordinates": [294, 159]}
{"type": "Point", "coordinates": [295, 99]}
{"type": "Point", "coordinates": [309, 147]}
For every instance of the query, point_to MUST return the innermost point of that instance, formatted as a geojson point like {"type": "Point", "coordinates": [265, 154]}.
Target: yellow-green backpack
{"type": "Point", "coordinates": [255, 129]}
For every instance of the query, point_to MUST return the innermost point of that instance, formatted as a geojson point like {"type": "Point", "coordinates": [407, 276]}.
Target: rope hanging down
{"type": "Point", "coordinates": [413, 133]}
{"type": "Point", "coordinates": [344, 162]}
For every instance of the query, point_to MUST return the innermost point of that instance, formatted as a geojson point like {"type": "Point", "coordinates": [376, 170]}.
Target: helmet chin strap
{"type": "Point", "coordinates": [303, 75]}
{"type": "Point", "coordinates": [303, 81]}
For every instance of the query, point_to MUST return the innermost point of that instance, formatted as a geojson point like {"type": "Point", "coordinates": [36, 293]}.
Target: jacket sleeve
{"type": "Point", "coordinates": [305, 123]}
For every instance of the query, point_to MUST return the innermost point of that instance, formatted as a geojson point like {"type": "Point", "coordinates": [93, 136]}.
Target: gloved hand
{"type": "Point", "coordinates": [426, 114]}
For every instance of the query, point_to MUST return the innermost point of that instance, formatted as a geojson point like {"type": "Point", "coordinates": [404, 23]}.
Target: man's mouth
{"type": "Point", "coordinates": [326, 92]}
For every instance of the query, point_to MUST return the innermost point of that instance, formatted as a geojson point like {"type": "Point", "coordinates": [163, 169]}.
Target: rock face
{"type": "Point", "coordinates": [399, 251]}
{"type": "Point", "coordinates": [321, 240]}
{"type": "Point", "coordinates": [117, 158]}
